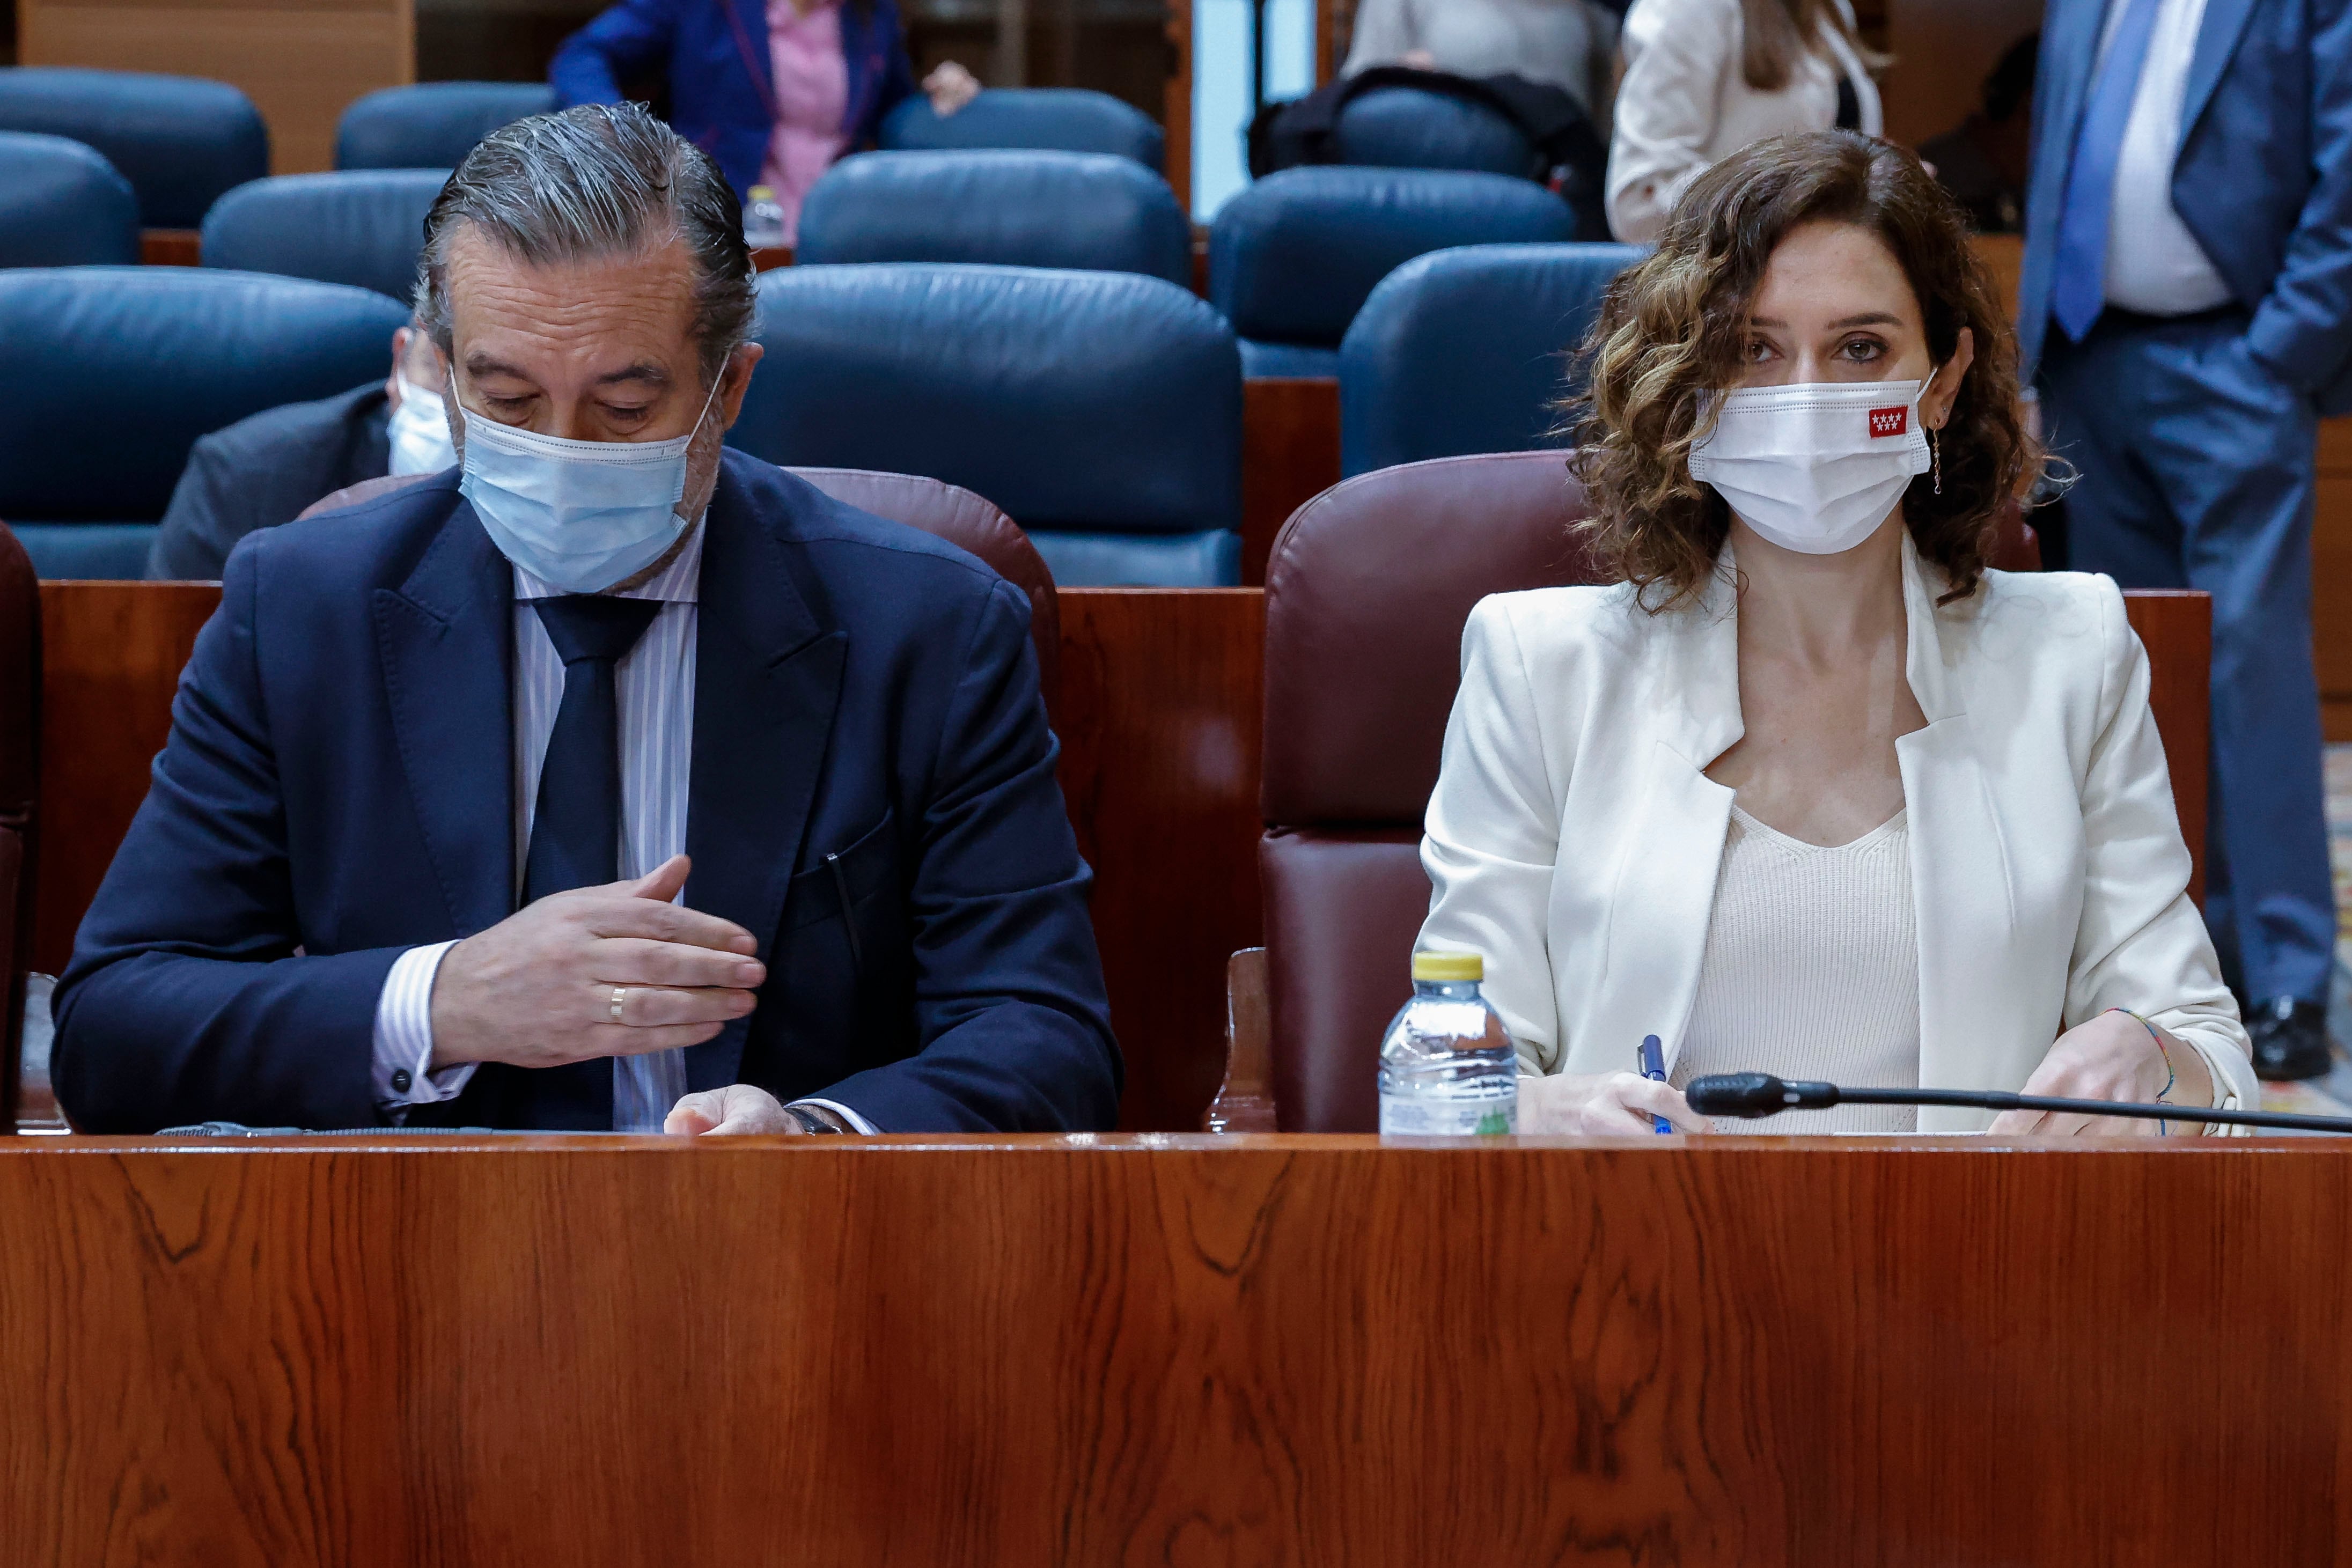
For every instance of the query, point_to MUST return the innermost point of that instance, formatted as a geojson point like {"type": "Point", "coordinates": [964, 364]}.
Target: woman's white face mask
{"type": "Point", "coordinates": [1816, 467]}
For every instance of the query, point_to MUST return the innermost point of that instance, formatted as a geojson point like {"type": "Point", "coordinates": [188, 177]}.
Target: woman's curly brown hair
{"type": "Point", "coordinates": [1673, 328]}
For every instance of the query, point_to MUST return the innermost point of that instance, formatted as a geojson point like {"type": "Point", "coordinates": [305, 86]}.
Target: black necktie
{"type": "Point", "coordinates": [575, 834]}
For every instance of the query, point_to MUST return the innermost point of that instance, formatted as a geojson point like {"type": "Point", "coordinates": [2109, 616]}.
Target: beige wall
{"type": "Point", "coordinates": [300, 61]}
{"type": "Point", "coordinates": [1942, 50]}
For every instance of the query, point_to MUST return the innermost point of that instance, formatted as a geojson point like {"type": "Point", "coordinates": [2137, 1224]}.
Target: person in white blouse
{"type": "Point", "coordinates": [1565, 43]}
{"type": "Point", "coordinates": [1705, 77]}
{"type": "Point", "coordinates": [1811, 790]}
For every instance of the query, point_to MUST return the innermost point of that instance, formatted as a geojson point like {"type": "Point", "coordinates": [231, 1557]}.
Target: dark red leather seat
{"type": "Point", "coordinates": [946, 511]}
{"type": "Point", "coordinates": [20, 780]}
{"type": "Point", "coordinates": [1366, 595]}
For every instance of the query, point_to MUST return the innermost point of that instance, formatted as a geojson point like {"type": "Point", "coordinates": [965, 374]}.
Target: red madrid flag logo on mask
{"type": "Point", "coordinates": [1889, 421]}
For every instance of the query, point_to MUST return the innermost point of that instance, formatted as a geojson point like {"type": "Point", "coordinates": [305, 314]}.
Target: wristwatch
{"type": "Point", "coordinates": [813, 1120]}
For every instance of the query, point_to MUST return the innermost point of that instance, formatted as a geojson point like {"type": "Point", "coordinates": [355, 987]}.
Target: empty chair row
{"type": "Point", "coordinates": [1103, 411]}
{"type": "Point", "coordinates": [182, 142]}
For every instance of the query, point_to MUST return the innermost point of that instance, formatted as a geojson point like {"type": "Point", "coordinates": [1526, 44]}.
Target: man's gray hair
{"type": "Point", "coordinates": [601, 180]}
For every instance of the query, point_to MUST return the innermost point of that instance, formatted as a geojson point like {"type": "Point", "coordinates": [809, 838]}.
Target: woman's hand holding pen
{"type": "Point", "coordinates": [1611, 1102]}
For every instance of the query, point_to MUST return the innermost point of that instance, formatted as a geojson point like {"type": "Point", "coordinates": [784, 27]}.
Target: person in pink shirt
{"type": "Point", "coordinates": [774, 91]}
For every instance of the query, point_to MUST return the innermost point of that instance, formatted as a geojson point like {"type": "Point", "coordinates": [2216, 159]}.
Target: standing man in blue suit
{"type": "Point", "coordinates": [2188, 296]}
{"type": "Point", "coordinates": [610, 781]}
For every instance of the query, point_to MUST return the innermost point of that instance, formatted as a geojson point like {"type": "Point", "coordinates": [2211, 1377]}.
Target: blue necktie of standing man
{"type": "Point", "coordinates": [2078, 286]}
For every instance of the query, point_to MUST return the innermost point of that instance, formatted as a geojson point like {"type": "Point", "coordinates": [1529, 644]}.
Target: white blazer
{"type": "Point", "coordinates": [1574, 837]}
{"type": "Point", "coordinates": [1685, 104]}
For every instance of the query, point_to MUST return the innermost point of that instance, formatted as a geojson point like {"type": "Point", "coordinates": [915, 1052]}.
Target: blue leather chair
{"type": "Point", "coordinates": [180, 141]}
{"type": "Point", "coordinates": [1101, 411]}
{"type": "Point", "coordinates": [1044, 119]}
{"type": "Point", "coordinates": [1087, 211]}
{"type": "Point", "coordinates": [1465, 350]}
{"type": "Point", "coordinates": [1292, 258]}
{"type": "Point", "coordinates": [433, 124]}
{"type": "Point", "coordinates": [115, 370]}
{"type": "Point", "coordinates": [63, 205]}
{"type": "Point", "coordinates": [359, 226]}
{"type": "Point", "coordinates": [1410, 128]}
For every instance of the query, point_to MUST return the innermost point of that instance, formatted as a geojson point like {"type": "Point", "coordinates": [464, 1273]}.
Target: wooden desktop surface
{"type": "Point", "coordinates": [1174, 1350]}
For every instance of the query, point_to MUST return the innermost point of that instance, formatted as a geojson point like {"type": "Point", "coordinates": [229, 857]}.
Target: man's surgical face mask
{"type": "Point", "coordinates": [419, 432]}
{"type": "Point", "coordinates": [1816, 467]}
{"type": "Point", "coordinates": [578, 515]}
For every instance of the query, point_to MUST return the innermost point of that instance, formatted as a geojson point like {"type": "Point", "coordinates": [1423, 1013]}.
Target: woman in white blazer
{"type": "Point", "coordinates": [1813, 790]}
{"type": "Point", "coordinates": [1705, 77]}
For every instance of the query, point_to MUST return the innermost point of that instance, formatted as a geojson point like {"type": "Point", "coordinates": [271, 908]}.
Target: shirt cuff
{"type": "Point", "coordinates": [403, 1076]}
{"type": "Point", "coordinates": [845, 1112]}
{"type": "Point", "coordinates": [2225, 1093]}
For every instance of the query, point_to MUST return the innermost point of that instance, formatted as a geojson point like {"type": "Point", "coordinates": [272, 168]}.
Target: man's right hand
{"type": "Point", "coordinates": [536, 989]}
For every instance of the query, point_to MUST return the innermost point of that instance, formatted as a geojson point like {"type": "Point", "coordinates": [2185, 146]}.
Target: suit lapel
{"type": "Point", "coordinates": [1963, 898]}
{"type": "Point", "coordinates": [444, 641]}
{"type": "Point", "coordinates": [1666, 891]}
{"type": "Point", "coordinates": [2217, 40]}
{"type": "Point", "coordinates": [767, 680]}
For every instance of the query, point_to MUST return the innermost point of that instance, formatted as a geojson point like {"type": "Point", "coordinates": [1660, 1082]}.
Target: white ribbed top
{"type": "Point", "coordinates": [1811, 971]}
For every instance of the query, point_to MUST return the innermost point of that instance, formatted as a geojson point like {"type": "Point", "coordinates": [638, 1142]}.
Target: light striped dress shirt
{"type": "Point", "coordinates": [2155, 265]}
{"type": "Point", "coordinates": [655, 685]}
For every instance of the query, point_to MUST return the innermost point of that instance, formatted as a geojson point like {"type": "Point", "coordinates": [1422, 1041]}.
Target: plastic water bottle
{"type": "Point", "coordinates": [763, 220]}
{"type": "Point", "coordinates": [1448, 1068]}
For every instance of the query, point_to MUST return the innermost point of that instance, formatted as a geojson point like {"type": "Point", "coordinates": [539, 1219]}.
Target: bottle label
{"type": "Point", "coordinates": [1414, 1117]}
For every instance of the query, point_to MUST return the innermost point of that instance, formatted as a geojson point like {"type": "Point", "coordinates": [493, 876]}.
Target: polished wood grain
{"type": "Point", "coordinates": [1161, 691]}
{"type": "Point", "coordinates": [171, 247]}
{"type": "Point", "coordinates": [1290, 455]}
{"type": "Point", "coordinates": [2331, 577]}
{"type": "Point", "coordinates": [2177, 627]}
{"type": "Point", "coordinates": [1186, 1350]}
{"type": "Point", "coordinates": [302, 61]}
{"type": "Point", "coordinates": [112, 659]}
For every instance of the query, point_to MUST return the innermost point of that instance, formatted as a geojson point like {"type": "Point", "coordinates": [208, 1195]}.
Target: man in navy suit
{"type": "Point", "coordinates": [610, 781]}
{"type": "Point", "coordinates": [2188, 296]}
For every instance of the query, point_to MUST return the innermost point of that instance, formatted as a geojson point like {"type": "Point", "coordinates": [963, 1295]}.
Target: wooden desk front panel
{"type": "Point", "coordinates": [1275, 1351]}
{"type": "Point", "coordinates": [302, 61]}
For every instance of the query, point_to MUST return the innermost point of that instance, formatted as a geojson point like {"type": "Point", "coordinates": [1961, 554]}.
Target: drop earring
{"type": "Point", "coordinates": [1936, 452]}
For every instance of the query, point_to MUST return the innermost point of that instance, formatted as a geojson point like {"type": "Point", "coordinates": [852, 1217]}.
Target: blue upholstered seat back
{"type": "Point", "coordinates": [1048, 119]}
{"type": "Point", "coordinates": [1294, 256]}
{"type": "Point", "coordinates": [1410, 128]}
{"type": "Point", "coordinates": [1467, 351]}
{"type": "Point", "coordinates": [433, 124]}
{"type": "Point", "coordinates": [115, 370]}
{"type": "Point", "coordinates": [1087, 211]}
{"type": "Point", "coordinates": [1101, 411]}
{"type": "Point", "coordinates": [362, 226]}
{"type": "Point", "coordinates": [180, 141]}
{"type": "Point", "coordinates": [63, 205]}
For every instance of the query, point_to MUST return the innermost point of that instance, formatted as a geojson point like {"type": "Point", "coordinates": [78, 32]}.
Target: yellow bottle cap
{"type": "Point", "coordinates": [1448, 966]}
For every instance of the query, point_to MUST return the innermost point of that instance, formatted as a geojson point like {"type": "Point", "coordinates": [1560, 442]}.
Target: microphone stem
{"type": "Point", "coordinates": [1995, 1100]}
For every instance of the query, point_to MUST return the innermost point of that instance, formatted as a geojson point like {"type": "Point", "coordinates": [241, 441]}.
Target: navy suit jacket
{"type": "Point", "coordinates": [722, 87]}
{"type": "Point", "coordinates": [263, 470]}
{"type": "Point", "coordinates": [872, 796]}
{"type": "Point", "coordinates": [2263, 179]}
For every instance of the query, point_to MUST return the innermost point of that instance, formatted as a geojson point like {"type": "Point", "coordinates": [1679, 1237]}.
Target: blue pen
{"type": "Point", "coordinates": [1653, 1063]}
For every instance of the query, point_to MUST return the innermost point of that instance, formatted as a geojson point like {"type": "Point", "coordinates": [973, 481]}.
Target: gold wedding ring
{"type": "Point", "coordinates": [620, 1000]}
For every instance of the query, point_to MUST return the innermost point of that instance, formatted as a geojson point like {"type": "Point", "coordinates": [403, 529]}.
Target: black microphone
{"type": "Point", "coordinates": [1755, 1095]}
